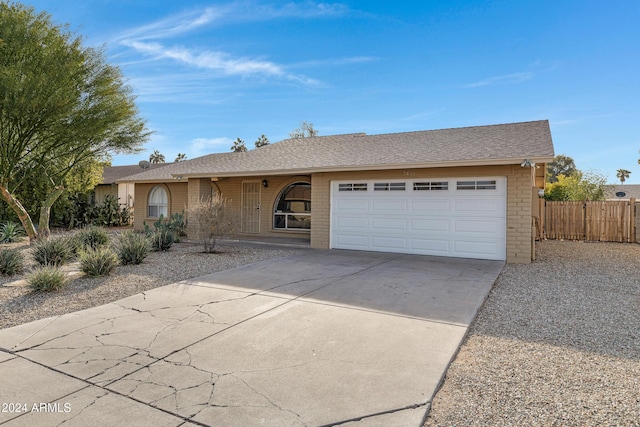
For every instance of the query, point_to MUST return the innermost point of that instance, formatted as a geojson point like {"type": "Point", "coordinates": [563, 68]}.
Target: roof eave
{"type": "Point", "coordinates": [391, 166]}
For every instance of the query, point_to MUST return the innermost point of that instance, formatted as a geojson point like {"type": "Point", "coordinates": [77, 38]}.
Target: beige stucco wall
{"type": "Point", "coordinates": [519, 183]}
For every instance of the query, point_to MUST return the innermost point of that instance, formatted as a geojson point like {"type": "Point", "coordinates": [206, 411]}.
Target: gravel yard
{"type": "Point", "coordinates": [183, 261]}
{"type": "Point", "coordinates": [557, 343]}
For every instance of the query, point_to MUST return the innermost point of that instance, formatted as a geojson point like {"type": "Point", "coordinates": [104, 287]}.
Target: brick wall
{"type": "Point", "coordinates": [176, 192]}
{"type": "Point", "coordinates": [519, 199]}
{"type": "Point", "coordinates": [231, 189]}
{"type": "Point", "coordinates": [519, 183]}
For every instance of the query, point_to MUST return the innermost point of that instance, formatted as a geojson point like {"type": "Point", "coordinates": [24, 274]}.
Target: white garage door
{"type": "Point", "coordinates": [457, 217]}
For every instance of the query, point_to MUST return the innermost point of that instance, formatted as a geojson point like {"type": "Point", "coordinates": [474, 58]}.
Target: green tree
{"type": "Point", "coordinates": [577, 186]}
{"type": "Point", "coordinates": [156, 157]}
{"type": "Point", "coordinates": [622, 175]}
{"type": "Point", "coordinates": [305, 130]}
{"type": "Point", "coordinates": [262, 141]}
{"type": "Point", "coordinates": [238, 146]}
{"type": "Point", "coordinates": [180, 157]}
{"type": "Point", "coordinates": [61, 107]}
{"type": "Point", "coordinates": [561, 165]}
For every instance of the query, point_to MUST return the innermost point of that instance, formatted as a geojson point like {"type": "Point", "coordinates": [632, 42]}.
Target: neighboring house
{"type": "Point", "coordinates": [124, 192]}
{"type": "Point", "coordinates": [622, 192]}
{"type": "Point", "coordinates": [464, 192]}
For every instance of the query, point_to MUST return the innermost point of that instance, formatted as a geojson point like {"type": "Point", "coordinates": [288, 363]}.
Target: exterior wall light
{"type": "Point", "coordinates": [265, 184]}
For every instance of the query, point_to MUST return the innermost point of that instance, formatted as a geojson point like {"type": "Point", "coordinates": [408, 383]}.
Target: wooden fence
{"type": "Point", "coordinates": [608, 221]}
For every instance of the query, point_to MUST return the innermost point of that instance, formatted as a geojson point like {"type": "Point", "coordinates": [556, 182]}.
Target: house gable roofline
{"type": "Point", "coordinates": [472, 146]}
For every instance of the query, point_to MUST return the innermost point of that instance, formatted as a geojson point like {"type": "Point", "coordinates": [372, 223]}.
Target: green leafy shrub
{"type": "Point", "coordinates": [176, 224]}
{"type": "Point", "coordinates": [132, 247]}
{"type": "Point", "coordinates": [11, 232]}
{"type": "Point", "coordinates": [54, 251]}
{"type": "Point", "coordinates": [47, 278]}
{"type": "Point", "coordinates": [11, 262]}
{"type": "Point", "coordinates": [91, 237]}
{"type": "Point", "coordinates": [98, 262]}
{"type": "Point", "coordinates": [162, 240]}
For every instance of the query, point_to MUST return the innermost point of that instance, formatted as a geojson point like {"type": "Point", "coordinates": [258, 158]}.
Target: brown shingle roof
{"type": "Point", "coordinates": [632, 191]}
{"type": "Point", "coordinates": [479, 145]}
{"type": "Point", "coordinates": [111, 174]}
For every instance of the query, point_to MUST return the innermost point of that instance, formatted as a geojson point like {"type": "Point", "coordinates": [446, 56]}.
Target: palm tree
{"type": "Point", "coordinates": [156, 157]}
{"type": "Point", "coordinates": [238, 146]}
{"type": "Point", "coordinates": [262, 141]}
{"type": "Point", "coordinates": [622, 175]}
{"type": "Point", "coordinates": [180, 157]}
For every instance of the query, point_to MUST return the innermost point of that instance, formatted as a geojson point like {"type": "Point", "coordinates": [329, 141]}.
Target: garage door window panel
{"type": "Point", "coordinates": [353, 187]}
{"type": "Point", "coordinates": [389, 186]}
{"type": "Point", "coordinates": [431, 186]}
{"type": "Point", "coordinates": [477, 185]}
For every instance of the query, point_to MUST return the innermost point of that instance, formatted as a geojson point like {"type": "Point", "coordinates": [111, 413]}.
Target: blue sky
{"type": "Point", "coordinates": [206, 73]}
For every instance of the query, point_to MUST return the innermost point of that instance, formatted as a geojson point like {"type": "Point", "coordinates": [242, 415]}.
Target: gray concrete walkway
{"type": "Point", "coordinates": [322, 338]}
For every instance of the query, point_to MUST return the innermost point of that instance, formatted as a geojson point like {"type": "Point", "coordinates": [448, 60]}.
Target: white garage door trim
{"type": "Point", "coordinates": [456, 217]}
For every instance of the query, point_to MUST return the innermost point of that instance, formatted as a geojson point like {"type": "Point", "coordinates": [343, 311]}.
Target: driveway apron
{"type": "Point", "coordinates": [317, 339]}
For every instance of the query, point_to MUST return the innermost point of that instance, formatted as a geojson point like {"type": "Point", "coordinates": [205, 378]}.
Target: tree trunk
{"type": "Point", "coordinates": [45, 212]}
{"type": "Point", "coordinates": [22, 213]}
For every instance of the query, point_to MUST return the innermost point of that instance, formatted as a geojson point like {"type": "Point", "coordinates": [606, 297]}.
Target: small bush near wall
{"type": "Point", "coordinates": [213, 219]}
{"type": "Point", "coordinates": [161, 240]}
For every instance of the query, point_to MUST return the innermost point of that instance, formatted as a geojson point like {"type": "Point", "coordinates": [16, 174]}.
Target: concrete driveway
{"type": "Point", "coordinates": [321, 338]}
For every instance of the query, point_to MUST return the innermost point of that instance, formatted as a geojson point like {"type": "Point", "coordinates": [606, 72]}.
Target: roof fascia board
{"type": "Point", "coordinates": [367, 168]}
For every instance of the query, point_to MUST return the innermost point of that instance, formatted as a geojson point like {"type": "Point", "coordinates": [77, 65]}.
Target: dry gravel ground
{"type": "Point", "coordinates": [557, 343]}
{"type": "Point", "coordinates": [183, 261]}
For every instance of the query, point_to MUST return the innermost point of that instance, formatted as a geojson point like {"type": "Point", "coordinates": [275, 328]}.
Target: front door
{"type": "Point", "coordinates": [250, 207]}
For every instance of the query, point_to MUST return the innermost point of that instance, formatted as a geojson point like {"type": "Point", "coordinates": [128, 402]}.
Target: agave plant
{"type": "Point", "coordinates": [11, 232]}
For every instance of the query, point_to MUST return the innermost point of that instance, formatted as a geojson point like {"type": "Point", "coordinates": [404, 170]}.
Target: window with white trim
{"type": "Point", "coordinates": [477, 185]}
{"type": "Point", "coordinates": [158, 203]}
{"type": "Point", "coordinates": [431, 186]}
{"type": "Point", "coordinates": [359, 186]}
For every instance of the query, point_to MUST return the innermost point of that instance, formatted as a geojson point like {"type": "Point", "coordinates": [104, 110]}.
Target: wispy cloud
{"type": "Point", "coordinates": [174, 25]}
{"type": "Point", "coordinates": [506, 79]}
{"type": "Point", "coordinates": [151, 40]}
{"type": "Point", "coordinates": [202, 146]}
{"type": "Point", "coordinates": [336, 61]}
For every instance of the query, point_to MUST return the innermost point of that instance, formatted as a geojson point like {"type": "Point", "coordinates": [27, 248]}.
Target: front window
{"type": "Point", "coordinates": [158, 203]}
{"type": "Point", "coordinates": [293, 208]}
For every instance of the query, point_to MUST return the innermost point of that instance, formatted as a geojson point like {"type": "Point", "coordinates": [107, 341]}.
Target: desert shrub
{"type": "Point", "coordinates": [98, 262]}
{"type": "Point", "coordinates": [11, 232]}
{"type": "Point", "coordinates": [132, 247]}
{"type": "Point", "coordinates": [213, 219]}
{"type": "Point", "coordinates": [54, 251]}
{"type": "Point", "coordinates": [11, 262]}
{"type": "Point", "coordinates": [47, 278]}
{"type": "Point", "coordinates": [162, 239]}
{"type": "Point", "coordinates": [175, 223]}
{"type": "Point", "coordinates": [91, 237]}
